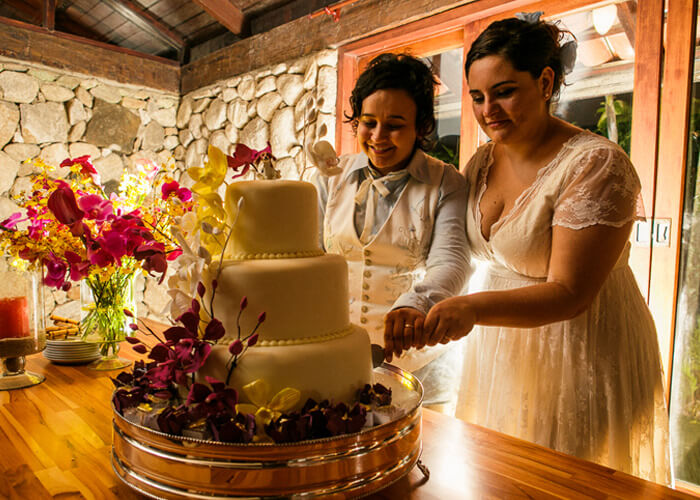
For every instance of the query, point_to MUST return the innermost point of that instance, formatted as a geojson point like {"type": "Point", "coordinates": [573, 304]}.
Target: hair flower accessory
{"type": "Point", "coordinates": [529, 17]}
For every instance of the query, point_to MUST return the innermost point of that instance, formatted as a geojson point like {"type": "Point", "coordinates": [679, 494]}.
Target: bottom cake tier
{"type": "Point", "coordinates": [333, 369]}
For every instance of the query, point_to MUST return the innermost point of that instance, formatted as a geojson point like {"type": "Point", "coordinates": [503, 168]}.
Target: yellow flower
{"type": "Point", "coordinates": [266, 408]}
{"type": "Point", "coordinates": [211, 176]}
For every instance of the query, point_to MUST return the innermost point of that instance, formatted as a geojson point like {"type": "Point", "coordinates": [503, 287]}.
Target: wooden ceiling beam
{"type": "Point", "coordinates": [28, 42]}
{"type": "Point", "coordinates": [30, 13]}
{"type": "Point", "coordinates": [225, 12]}
{"type": "Point", "coordinates": [147, 22]}
{"type": "Point", "coordinates": [48, 14]}
{"type": "Point", "coordinates": [627, 14]}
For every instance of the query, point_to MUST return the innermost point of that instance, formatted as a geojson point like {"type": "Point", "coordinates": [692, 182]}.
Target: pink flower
{"type": "Point", "coordinates": [114, 243]}
{"type": "Point", "coordinates": [173, 187]}
{"type": "Point", "coordinates": [95, 207]}
{"type": "Point", "coordinates": [78, 267]}
{"type": "Point", "coordinates": [55, 271]}
{"type": "Point", "coordinates": [11, 221]}
{"type": "Point", "coordinates": [63, 205]}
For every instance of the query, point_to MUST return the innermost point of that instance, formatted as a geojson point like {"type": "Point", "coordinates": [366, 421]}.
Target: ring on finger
{"type": "Point", "coordinates": [408, 325]}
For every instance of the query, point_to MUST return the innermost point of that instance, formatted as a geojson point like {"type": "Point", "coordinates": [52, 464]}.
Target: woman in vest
{"type": "Point", "coordinates": [397, 216]}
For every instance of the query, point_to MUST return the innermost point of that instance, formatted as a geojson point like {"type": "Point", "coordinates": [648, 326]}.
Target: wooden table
{"type": "Point", "coordinates": [55, 441]}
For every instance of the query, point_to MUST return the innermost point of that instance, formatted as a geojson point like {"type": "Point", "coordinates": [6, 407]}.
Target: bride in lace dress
{"type": "Point", "coordinates": [566, 353]}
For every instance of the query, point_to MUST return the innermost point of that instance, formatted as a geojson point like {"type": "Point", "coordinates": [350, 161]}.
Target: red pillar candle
{"type": "Point", "coordinates": [14, 317]}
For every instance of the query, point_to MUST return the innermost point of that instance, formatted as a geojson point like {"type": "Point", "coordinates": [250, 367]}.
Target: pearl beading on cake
{"type": "Point", "coordinates": [343, 332]}
{"type": "Point", "coordinates": [280, 255]}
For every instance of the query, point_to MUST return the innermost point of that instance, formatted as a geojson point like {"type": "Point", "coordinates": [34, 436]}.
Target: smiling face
{"type": "Point", "coordinates": [386, 130]}
{"type": "Point", "coordinates": [509, 105]}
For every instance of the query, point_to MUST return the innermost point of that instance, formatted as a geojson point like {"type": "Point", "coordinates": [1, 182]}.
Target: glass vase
{"type": "Point", "coordinates": [103, 318]}
{"type": "Point", "coordinates": [22, 329]}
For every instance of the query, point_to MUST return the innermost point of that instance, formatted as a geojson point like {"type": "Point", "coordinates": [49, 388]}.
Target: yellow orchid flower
{"type": "Point", "coordinates": [209, 177]}
{"type": "Point", "coordinates": [266, 408]}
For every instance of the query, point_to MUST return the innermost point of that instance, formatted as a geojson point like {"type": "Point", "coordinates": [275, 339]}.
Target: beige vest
{"type": "Point", "coordinates": [394, 258]}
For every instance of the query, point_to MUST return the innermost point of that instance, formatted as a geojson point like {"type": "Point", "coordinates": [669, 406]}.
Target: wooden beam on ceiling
{"type": "Point", "coordinates": [31, 43]}
{"type": "Point", "coordinates": [305, 35]}
{"type": "Point", "coordinates": [286, 13]}
{"type": "Point", "coordinates": [627, 14]}
{"type": "Point", "coordinates": [48, 14]}
{"type": "Point", "coordinates": [27, 12]}
{"type": "Point", "coordinates": [225, 12]}
{"type": "Point", "coordinates": [147, 22]}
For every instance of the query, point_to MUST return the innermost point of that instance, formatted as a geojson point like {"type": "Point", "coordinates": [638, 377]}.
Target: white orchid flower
{"type": "Point", "coordinates": [324, 157]}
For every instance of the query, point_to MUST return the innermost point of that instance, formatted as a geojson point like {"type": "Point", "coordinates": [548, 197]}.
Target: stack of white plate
{"type": "Point", "coordinates": [71, 351]}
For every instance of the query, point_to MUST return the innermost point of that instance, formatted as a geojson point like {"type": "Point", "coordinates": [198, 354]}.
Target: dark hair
{"type": "Point", "coordinates": [527, 46]}
{"type": "Point", "coordinates": [402, 72]}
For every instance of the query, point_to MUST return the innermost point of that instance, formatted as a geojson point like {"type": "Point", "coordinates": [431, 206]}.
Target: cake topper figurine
{"type": "Point", "coordinates": [262, 162]}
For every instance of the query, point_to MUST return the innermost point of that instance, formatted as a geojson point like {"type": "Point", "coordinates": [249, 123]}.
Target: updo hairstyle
{"type": "Point", "coordinates": [527, 46]}
{"type": "Point", "coordinates": [401, 72]}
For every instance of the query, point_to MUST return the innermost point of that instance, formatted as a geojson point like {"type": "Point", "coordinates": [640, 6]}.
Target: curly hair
{"type": "Point", "coordinates": [402, 72]}
{"type": "Point", "coordinates": [527, 46]}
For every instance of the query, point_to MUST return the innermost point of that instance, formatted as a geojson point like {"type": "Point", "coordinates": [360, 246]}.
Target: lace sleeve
{"type": "Point", "coordinates": [602, 188]}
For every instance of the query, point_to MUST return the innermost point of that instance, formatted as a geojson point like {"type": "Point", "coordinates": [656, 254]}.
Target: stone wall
{"type": "Point", "coordinates": [55, 115]}
{"type": "Point", "coordinates": [289, 105]}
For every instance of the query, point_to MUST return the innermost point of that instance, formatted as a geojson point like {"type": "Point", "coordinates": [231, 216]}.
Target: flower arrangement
{"type": "Point", "coordinates": [164, 392]}
{"type": "Point", "coordinates": [76, 232]}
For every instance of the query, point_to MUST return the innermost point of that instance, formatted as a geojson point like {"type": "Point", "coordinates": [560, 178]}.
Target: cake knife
{"type": "Point", "coordinates": [377, 355]}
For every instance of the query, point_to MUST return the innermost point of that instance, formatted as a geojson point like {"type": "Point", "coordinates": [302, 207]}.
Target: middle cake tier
{"type": "Point", "coordinates": [304, 299]}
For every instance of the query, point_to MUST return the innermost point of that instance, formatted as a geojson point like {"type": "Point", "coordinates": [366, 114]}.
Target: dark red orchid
{"type": "Point", "coordinates": [238, 428]}
{"type": "Point", "coordinates": [290, 428]}
{"type": "Point", "coordinates": [83, 161]}
{"type": "Point", "coordinates": [152, 253]}
{"type": "Point", "coordinates": [63, 205]}
{"type": "Point", "coordinates": [344, 420]}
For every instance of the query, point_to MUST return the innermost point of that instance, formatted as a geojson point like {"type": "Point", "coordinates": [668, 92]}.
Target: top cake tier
{"type": "Point", "coordinates": [277, 219]}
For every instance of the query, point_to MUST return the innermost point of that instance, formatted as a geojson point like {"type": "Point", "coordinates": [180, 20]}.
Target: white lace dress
{"type": "Point", "coordinates": [591, 386]}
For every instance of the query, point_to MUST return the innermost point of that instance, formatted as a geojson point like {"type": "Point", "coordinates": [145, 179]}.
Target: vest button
{"type": "Point", "coordinates": [365, 297]}
{"type": "Point", "coordinates": [365, 309]}
{"type": "Point", "coordinates": [367, 253]}
{"type": "Point", "coordinates": [363, 320]}
{"type": "Point", "coordinates": [367, 274]}
{"type": "Point", "coordinates": [365, 286]}
{"type": "Point", "coordinates": [368, 262]}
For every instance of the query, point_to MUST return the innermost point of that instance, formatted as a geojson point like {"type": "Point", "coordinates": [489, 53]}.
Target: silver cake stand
{"type": "Point", "coordinates": [165, 466]}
